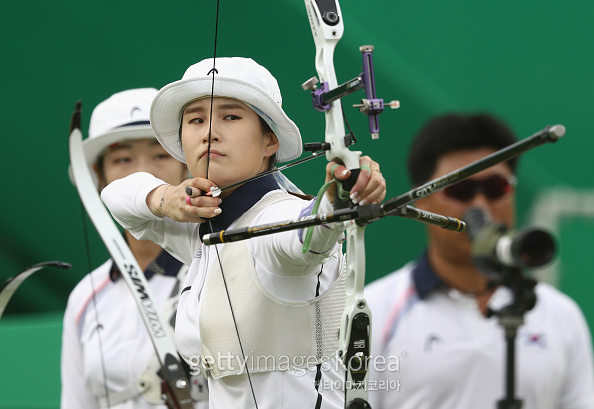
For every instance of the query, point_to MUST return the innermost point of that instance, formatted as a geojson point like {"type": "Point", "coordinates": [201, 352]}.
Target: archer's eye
{"type": "Point", "coordinates": [162, 156]}
{"type": "Point", "coordinates": [121, 159]}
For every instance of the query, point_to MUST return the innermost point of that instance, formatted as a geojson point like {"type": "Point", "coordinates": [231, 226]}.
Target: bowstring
{"type": "Point", "coordinates": [214, 71]}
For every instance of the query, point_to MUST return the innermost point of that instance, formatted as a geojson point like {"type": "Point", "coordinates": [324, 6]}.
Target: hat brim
{"type": "Point", "coordinates": [169, 101]}
{"type": "Point", "coordinates": [94, 147]}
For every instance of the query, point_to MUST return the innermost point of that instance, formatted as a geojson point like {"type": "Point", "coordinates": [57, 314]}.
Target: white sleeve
{"type": "Point", "coordinates": [75, 394]}
{"type": "Point", "coordinates": [126, 200]}
{"type": "Point", "coordinates": [282, 252]}
{"type": "Point", "coordinates": [325, 239]}
{"type": "Point", "coordinates": [578, 385]}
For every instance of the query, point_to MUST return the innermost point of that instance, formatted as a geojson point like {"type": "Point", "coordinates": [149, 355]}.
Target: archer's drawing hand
{"type": "Point", "coordinates": [185, 202]}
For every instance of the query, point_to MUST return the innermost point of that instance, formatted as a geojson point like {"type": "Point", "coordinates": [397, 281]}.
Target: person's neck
{"type": "Point", "coordinates": [144, 251]}
{"type": "Point", "coordinates": [463, 276]}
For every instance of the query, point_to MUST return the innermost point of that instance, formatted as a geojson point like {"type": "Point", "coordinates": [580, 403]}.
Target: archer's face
{"type": "Point", "coordinates": [141, 155]}
{"type": "Point", "coordinates": [457, 245]}
{"type": "Point", "coordinates": [239, 147]}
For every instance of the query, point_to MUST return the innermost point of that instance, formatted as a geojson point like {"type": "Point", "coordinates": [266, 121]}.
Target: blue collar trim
{"type": "Point", "coordinates": [424, 277]}
{"type": "Point", "coordinates": [239, 202]}
{"type": "Point", "coordinates": [164, 264]}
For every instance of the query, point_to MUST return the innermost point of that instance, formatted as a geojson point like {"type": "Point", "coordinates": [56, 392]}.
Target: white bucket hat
{"type": "Point", "coordinates": [123, 116]}
{"type": "Point", "coordinates": [238, 78]}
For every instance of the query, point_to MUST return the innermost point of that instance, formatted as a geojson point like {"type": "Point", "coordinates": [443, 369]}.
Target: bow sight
{"type": "Point", "coordinates": [371, 106]}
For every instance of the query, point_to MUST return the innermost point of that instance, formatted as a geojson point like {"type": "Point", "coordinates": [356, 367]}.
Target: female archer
{"type": "Point", "coordinates": [259, 317]}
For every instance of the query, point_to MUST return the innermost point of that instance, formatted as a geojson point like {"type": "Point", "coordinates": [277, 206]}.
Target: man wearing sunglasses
{"type": "Point", "coordinates": [432, 345]}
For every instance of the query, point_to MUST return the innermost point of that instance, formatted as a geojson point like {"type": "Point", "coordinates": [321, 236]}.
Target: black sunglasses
{"type": "Point", "coordinates": [493, 187]}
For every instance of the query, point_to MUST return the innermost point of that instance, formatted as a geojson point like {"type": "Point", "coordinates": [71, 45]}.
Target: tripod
{"type": "Point", "coordinates": [511, 318]}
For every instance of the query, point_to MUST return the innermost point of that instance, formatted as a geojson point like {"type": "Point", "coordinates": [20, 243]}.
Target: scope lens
{"type": "Point", "coordinates": [534, 248]}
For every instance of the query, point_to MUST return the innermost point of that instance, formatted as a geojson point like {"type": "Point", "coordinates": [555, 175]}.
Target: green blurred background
{"type": "Point", "coordinates": [530, 63]}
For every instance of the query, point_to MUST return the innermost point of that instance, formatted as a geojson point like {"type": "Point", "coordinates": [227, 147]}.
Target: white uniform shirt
{"type": "Point", "coordinates": [125, 349]}
{"type": "Point", "coordinates": [281, 267]}
{"type": "Point", "coordinates": [445, 354]}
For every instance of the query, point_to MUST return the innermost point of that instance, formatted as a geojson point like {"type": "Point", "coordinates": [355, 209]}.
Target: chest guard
{"type": "Point", "coordinates": [276, 335]}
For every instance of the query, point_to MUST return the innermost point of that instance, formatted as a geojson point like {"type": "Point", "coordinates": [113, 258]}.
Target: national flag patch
{"type": "Point", "coordinates": [535, 339]}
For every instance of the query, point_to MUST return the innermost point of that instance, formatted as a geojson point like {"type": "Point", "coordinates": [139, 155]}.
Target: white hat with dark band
{"type": "Point", "coordinates": [236, 77]}
{"type": "Point", "coordinates": [121, 117]}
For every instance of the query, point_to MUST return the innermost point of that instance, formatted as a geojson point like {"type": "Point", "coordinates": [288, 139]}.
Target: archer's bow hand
{"type": "Point", "coordinates": [369, 187]}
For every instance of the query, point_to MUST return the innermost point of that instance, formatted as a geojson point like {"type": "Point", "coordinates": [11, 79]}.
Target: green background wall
{"type": "Point", "coordinates": [530, 63]}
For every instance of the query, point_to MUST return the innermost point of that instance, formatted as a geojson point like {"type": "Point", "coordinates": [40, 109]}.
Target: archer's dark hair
{"type": "Point", "coordinates": [454, 132]}
{"type": "Point", "coordinates": [266, 128]}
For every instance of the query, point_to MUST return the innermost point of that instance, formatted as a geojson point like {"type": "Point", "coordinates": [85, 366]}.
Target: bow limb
{"type": "Point", "coordinates": [354, 339]}
{"type": "Point", "coordinates": [175, 383]}
{"type": "Point", "coordinates": [8, 288]}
